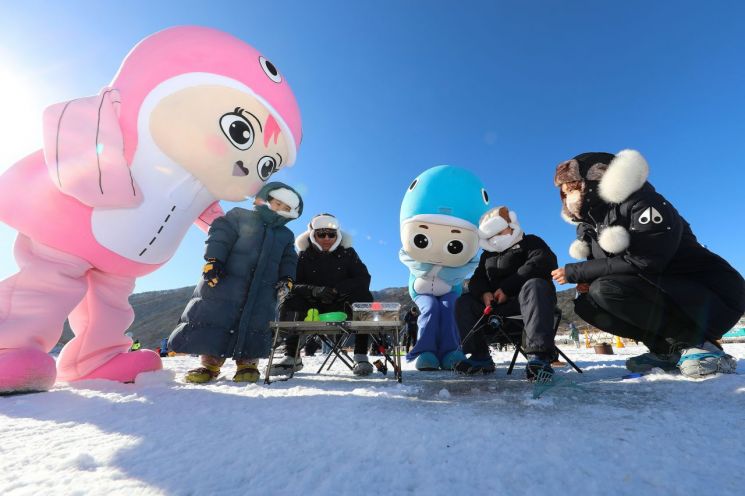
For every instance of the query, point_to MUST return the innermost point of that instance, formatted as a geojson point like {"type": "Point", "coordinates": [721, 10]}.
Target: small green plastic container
{"type": "Point", "coordinates": [332, 317]}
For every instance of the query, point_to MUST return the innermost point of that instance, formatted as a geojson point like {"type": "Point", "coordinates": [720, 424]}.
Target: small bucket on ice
{"type": "Point", "coordinates": [603, 349]}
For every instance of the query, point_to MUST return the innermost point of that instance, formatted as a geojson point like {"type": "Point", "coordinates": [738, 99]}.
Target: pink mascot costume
{"type": "Point", "coordinates": [193, 116]}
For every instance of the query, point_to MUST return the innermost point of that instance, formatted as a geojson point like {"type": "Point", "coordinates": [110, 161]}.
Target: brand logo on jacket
{"type": "Point", "coordinates": [650, 215]}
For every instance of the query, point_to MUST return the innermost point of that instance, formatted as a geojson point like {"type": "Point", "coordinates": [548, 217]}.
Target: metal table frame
{"type": "Point", "coordinates": [335, 334]}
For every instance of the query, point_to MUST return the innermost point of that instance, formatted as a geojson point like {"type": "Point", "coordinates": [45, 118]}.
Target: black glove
{"type": "Point", "coordinates": [324, 294]}
{"type": "Point", "coordinates": [212, 272]}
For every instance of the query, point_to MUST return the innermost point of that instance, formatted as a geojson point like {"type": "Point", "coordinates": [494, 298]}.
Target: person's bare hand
{"type": "Point", "coordinates": [559, 275]}
{"type": "Point", "coordinates": [487, 298]}
{"type": "Point", "coordinates": [500, 296]}
{"type": "Point", "coordinates": [583, 287]}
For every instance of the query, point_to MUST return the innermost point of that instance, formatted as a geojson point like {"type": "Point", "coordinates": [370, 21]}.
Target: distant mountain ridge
{"type": "Point", "coordinates": [157, 312]}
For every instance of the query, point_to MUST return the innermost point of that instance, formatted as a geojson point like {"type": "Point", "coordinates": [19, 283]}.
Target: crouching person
{"type": "Point", "coordinates": [514, 278]}
{"type": "Point", "coordinates": [645, 277]}
{"type": "Point", "coordinates": [249, 255]}
{"type": "Point", "coordinates": [330, 277]}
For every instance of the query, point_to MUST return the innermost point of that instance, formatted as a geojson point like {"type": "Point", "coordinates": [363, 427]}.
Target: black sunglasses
{"type": "Point", "coordinates": [326, 234]}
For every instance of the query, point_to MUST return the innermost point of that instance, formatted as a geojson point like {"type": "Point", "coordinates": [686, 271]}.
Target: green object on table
{"type": "Point", "coordinates": [332, 317]}
{"type": "Point", "coordinates": [312, 315]}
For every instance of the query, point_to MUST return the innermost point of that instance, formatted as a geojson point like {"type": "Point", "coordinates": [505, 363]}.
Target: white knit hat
{"type": "Point", "coordinates": [495, 221]}
{"type": "Point", "coordinates": [289, 198]}
{"type": "Point", "coordinates": [324, 221]}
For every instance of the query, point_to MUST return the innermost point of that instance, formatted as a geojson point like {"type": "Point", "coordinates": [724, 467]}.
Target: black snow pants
{"type": "Point", "coordinates": [628, 306]}
{"type": "Point", "coordinates": [535, 302]}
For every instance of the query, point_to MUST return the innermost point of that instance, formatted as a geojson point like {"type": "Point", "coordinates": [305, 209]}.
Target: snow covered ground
{"type": "Point", "coordinates": [435, 434]}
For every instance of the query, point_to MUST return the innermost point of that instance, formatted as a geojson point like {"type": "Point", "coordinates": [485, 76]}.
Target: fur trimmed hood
{"type": "Point", "coordinates": [594, 178]}
{"type": "Point", "coordinates": [302, 242]}
{"type": "Point", "coordinates": [324, 221]}
{"type": "Point", "coordinates": [589, 183]}
{"type": "Point", "coordinates": [625, 175]}
{"type": "Point", "coordinates": [283, 193]}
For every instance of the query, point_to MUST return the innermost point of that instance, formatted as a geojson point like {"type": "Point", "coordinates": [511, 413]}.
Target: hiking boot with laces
{"type": "Point", "coordinates": [247, 371]}
{"type": "Point", "coordinates": [287, 365]}
{"type": "Point", "coordinates": [475, 366]}
{"type": "Point", "coordinates": [201, 375]}
{"type": "Point", "coordinates": [652, 360]}
{"type": "Point", "coordinates": [705, 359]}
{"type": "Point", "coordinates": [539, 368]}
{"type": "Point", "coordinates": [362, 366]}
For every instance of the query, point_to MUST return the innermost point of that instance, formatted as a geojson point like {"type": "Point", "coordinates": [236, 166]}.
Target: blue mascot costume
{"type": "Point", "coordinates": [439, 217]}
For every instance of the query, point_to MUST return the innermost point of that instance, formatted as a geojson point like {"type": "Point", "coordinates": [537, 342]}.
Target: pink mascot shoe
{"type": "Point", "coordinates": [193, 116]}
{"type": "Point", "coordinates": [26, 370]}
{"type": "Point", "coordinates": [124, 367]}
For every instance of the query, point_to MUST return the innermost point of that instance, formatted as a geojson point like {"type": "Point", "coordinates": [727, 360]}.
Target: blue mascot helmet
{"type": "Point", "coordinates": [445, 191]}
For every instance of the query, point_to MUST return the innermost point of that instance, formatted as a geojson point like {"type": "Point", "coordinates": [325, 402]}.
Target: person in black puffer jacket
{"type": "Point", "coordinates": [330, 277]}
{"type": "Point", "coordinates": [645, 277]}
{"type": "Point", "coordinates": [514, 278]}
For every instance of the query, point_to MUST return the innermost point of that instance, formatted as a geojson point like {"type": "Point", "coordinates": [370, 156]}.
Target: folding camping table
{"type": "Point", "coordinates": [335, 334]}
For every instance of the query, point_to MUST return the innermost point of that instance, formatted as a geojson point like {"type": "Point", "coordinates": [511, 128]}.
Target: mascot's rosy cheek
{"type": "Point", "coordinates": [115, 189]}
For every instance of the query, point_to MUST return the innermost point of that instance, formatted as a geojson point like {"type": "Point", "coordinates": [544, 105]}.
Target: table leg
{"type": "Point", "coordinates": [397, 351]}
{"type": "Point", "coordinates": [328, 342]}
{"type": "Point", "coordinates": [297, 355]}
{"type": "Point", "coordinates": [271, 357]}
{"type": "Point", "coordinates": [338, 352]}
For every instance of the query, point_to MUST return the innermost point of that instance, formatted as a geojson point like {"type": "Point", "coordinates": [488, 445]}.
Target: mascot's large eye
{"type": "Point", "coordinates": [266, 167]}
{"type": "Point", "coordinates": [238, 130]}
{"type": "Point", "coordinates": [485, 196]}
{"type": "Point", "coordinates": [413, 184]}
{"type": "Point", "coordinates": [421, 241]}
{"type": "Point", "coordinates": [270, 70]}
{"type": "Point", "coordinates": [454, 247]}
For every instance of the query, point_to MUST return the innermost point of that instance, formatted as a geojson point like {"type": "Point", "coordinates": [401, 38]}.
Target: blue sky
{"type": "Point", "coordinates": [390, 88]}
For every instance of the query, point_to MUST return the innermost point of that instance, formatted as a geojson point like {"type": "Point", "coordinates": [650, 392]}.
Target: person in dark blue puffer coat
{"type": "Point", "coordinates": [250, 255]}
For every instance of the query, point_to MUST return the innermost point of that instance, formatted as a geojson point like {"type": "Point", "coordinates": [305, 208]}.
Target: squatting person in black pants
{"type": "Point", "coordinates": [330, 277]}
{"type": "Point", "coordinates": [514, 277]}
{"type": "Point", "coordinates": [645, 275]}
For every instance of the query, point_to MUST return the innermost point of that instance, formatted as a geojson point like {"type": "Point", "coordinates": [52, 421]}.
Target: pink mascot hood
{"type": "Point", "coordinates": [193, 49]}
{"type": "Point", "coordinates": [50, 197]}
{"type": "Point", "coordinates": [101, 205]}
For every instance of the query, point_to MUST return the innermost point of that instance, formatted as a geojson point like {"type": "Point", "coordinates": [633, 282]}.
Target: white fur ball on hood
{"type": "Point", "coordinates": [495, 221]}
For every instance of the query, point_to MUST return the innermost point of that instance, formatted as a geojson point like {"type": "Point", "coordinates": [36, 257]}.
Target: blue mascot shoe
{"type": "Point", "coordinates": [427, 361]}
{"type": "Point", "coordinates": [449, 361]}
